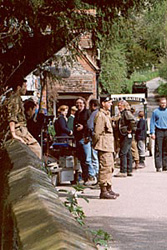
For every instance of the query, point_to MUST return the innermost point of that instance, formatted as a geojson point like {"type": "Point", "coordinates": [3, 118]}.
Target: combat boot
{"type": "Point", "coordinates": [105, 194]}
{"type": "Point", "coordinates": [136, 164]}
{"type": "Point", "coordinates": [109, 189]}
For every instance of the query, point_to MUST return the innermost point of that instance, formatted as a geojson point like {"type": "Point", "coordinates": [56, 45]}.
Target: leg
{"type": "Point", "coordinates": [81, 158]}
{"type": "Point", "coordinates": [84, 153]}
{"type": "Point", "coordinates": [95, 161]}
{"type": "Point", "coordinates": [164, 151]}
{"type": "Point", "coordinates": [106, 164]}
{"type": "Point", "coordinates": [129, 161]}
{"type": "Point", "coordinates": [125, 146]}
{"type": "Point", "coordinates": [158, 148]}
{"type": "Point", "coordinates": [35, 147]}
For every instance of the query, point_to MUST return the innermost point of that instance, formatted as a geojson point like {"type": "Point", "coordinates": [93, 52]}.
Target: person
{"type": "Point", "coordinates": [70, 122]}
{"type": "Point", "coordinates": [35, 121]}
{"type": "Point", "coordinates": [127, 125]}
{"type": "Point", "coordinates": [158, 131]}
{"type": "Point", "coordinates": [134, 149]}
{"type": "Point", "coordinates": [17, 120]}
{"type": "Point", "coordinates": [82, 137]}
{"type": "Point", "coordinates": [61, 127]}
{"type": "Point", "coordinates": [103, 142]}
{"type": "Point", "coordinates": [141, 137]}
{"type": "Point", "coordinates": [94, 108]}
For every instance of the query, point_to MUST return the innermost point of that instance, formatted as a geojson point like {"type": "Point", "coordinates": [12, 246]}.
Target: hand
{"type": "Point", "coordinates": [153, 136]}
{"type": "Point", "coordinates": [80, 127]}
{"type": "Point", "coordinates": [86, 140]}
{"type": "Point", "coordinates": [14, 136]}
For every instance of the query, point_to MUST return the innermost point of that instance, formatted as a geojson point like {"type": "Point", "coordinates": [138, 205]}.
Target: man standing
{"type": "Point", "coordinates": [17, 119]}
{"type": "Point", "coordinates": [94, 108]}
{"type": "Point", "coordinates": [158, 131]}
{"type": "Point", "coordinates": [82, 137]}
{"type": "Point", "coordinates": [103, 142]}
{"type": "Point", "coordinates": [127, 126]}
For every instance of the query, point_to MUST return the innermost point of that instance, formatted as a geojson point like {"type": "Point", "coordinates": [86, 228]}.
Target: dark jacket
{"type": "Point", "coordinates": [141, 130]}
{"type": "Point", "coordinates": [35, 126]}
{"type": "Point", "coordinates": [61, 127]}
{"type": "Point", "coordinates": [81, 118]}
{"type": "Point", "coordinates": [127, 122]}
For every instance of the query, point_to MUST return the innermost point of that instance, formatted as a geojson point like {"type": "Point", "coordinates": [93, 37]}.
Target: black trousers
{"type": "Point", "coordinates": [161, 149]}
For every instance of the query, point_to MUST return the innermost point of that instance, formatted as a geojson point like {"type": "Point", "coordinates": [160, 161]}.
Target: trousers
{"type": "Point", "coordinates": [125, 154]}
{"type": "Point", "coordinates": [161, 148]}
{"type": "Point", "coordinates": [106, 166]}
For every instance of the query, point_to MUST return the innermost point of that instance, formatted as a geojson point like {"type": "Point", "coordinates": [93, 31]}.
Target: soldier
{"type": "Point", "coordinates": [17, 120]}
{"type": "Point", "coordinates": [103, 142]}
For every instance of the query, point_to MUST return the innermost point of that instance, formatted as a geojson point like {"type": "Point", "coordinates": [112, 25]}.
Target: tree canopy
{"type": "Point", "coordinates": [31, 31]}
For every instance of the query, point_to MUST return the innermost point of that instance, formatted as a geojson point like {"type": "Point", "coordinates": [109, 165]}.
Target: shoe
{"type": "Point", "coordinates": [106, 195]}
{"type": "Point", "coordinates": [129, 174]}
{"type": "Point", "coordinates": [109, 189]}
{"type": "Point", "coordinates": [91, 181]}
{"type": "Point", "coordinates": [164, 169]}
{"type": "Point", "coordinates": [136, 164]}
{"type": "Point", "coordinates": [120, 175]}
{"type": "Point", "coordinates": [81, 182]}
{"type": "Point", "coordinates": [141, 165]}
{"type": "Point", "coordinates": [159, 170]}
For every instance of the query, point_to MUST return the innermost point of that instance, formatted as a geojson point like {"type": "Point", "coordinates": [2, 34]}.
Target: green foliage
{"type": "Point", "coordinates": [162, 89]}
{"type": "Point", "coordinates": [71, 203]}
{"type": "Point", "coordinates": [101, 237]}
{"type": "Point", "coordinates": [114, 68]}
{"type": "Point", "coordinates": [51, 130]}
{"type": "Point", "coordinates": [27, 26]}
{"type": "Point", "coordinates": [163, 67]}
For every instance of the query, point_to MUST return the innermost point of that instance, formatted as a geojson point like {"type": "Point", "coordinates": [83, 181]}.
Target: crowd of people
{"type": "Point", "coordinates": [99, 137]}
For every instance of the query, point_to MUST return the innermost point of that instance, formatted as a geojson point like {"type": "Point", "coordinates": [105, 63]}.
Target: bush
{"type": "Point", "coordinates": [163, 68]}
{"type": "Point", "coordinates": [162, 89]}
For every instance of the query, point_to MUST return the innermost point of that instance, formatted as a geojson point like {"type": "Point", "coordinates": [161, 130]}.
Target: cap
{"type": "Point", "coordinates": [74, 108]}
{"type": "Point", "coordinates": [107, 99]}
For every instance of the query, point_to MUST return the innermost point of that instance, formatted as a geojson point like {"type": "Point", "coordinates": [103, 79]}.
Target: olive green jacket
{"type": "Point", "coordinates": [16, 110]}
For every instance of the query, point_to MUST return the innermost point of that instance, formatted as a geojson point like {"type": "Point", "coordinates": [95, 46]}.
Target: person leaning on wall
{"type": "Point", "coordinates": [17, 120]}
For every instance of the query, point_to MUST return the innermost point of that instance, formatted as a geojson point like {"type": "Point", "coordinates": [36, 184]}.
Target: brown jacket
{"type": "Point", "coordinates": [103, 139]}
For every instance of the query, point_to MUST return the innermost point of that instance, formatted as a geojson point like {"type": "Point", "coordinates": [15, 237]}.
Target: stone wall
{"type": "Point", "coordinates": [39, 219]}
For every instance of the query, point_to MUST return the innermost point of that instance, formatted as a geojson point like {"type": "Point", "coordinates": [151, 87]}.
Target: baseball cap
{"type": "Point", "coordinates": [107, 99]}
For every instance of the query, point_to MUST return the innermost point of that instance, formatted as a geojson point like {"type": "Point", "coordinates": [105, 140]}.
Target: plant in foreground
{"type": "Point", "coordinates": [71, 203]}
{"type": "Point", "coordinates": [100, 237]}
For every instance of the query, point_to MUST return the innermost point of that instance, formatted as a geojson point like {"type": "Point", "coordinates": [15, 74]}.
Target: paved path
{"type": "Point", "coordinates": [138, 218]}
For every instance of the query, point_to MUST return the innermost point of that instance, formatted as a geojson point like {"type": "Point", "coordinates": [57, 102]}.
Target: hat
{"type": "Point", "coordinates": [74, 108]}
{"type": "Point", "coordinates": [107, 99]}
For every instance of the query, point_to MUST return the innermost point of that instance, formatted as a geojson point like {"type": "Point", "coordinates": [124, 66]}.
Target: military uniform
{"type": "Point", "coordinates": [103, 142]}
{"type": "Point", "coordinates": [16, 114]}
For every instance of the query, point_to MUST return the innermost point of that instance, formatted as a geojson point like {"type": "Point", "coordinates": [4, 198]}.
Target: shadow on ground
{"type": "Point", "coordinates": [131, 233]}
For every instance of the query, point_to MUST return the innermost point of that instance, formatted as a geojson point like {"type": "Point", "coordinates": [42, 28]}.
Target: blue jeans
{"type": "Point", "coordinates": [161, 149]}
{"type": "Point", "coordinates": [85, 158]}
{"type": "Point", "coordinates": [125, 154]}
{"type": "Point", "coordinates": [95, 163]}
